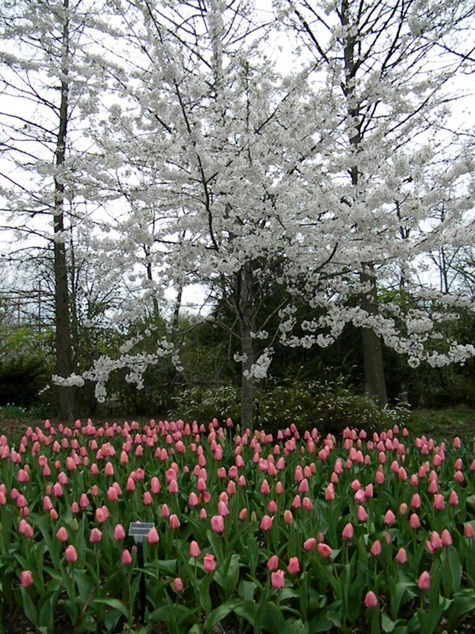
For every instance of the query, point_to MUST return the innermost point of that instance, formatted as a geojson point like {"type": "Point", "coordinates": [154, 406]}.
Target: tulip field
{"type": "Point", "coordinates": [288, 533]}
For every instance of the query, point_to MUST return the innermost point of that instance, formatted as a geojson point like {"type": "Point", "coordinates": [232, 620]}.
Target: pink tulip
{"type": "Point", "coordinates": [424, 581]}
{"type": "Point", "coordinates": [361, 514]}
{"type": "Point", "coordinates": [278, 579]}
{"type": "Point", "coordinates": [376, 548]}
{"type": "Point", "coordinates": [414, 521]}
{"type": "Point", "coordinates": [126, 558]}
{"type": "Point", "coordinates": [130, 486]}
{"type": "Point", "coordinates": [223, 508]}
{"type": "Point", "coordinates": [453, 498]}
{"type": "Point", "coordinates": [112, 494]}
{"type": "Point", "coordinates": [273, 563]}
{"type": "Point", "coordinates": [389, 518]}
{"type": "Point", "coordinates": [195, 551]}
{"type": "Point", "coordinates": [209, 562]}
{"type": "Point", "coordinates": [165, 511]}
{"type": "Point", "coordinates": [174, 521]}
{"type": "Point", "coordinates": [99, 516]}
{"type": "Point", "coordinates": [330, 493]}
{"type": "Point", "coordinates": [310, 544]}
{"type": "Point", "coordinates": [307, 504]}
{"type": "Point", "coordinates": [439, 503]}
{"type": "Point", "coordinates": [266, 523]}
{"type": "Point", "coordinates": [153, 536]}
{"type": "Point", "coordinates": [265, 488]}
{"type": "Point", "coordinates": [360, 496]}
{"type": "Point", "coordinates": [96, 536]}
{"type": "Point", "coordinates": [84, 501]}
{"type": "Point", "coordinates": [119, 532]}
{"type": "Point", "coordinates": [294, 566]}
{"type": "Point", "coordinates": [324, 550]}
{"type": "Point", "coordinates": [193, 500]}
{"type": "Point", "coordinates": [26, 529]}
{"type": "Point", "coordinates": [62, 534]}
{"type": "Point", "coordinates": [371, 600]}
{"type": "Point", "coordinates": [71, 554]}
{"type": "Point", "coordinates": [217, 524]}
{"type": "Point", "coordinates": [26, 578]}
{"type": "Point", "coordinates": [288, 517]}
{"type": "Point", "coordinates": [348, 532]}
{"type": "Point", "coordinates": [433, 487]}
{"type": "Point", "coordinates": [446, 538]}
{"type": "Point", "coordinates": [243, 514]}
{"type": "Point", "coordinates": [401, 556]}
{"type": "Point", "coordinates": [469, 531]}
{"type": "Point", "coordinates": [178, 585]}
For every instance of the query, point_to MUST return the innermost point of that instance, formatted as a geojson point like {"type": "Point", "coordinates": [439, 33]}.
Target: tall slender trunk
{"type": "Point", "coordinates": [64, 365]}
{"type": "Point", "coordinates": [246, 317]}
{"type": "Point", "coordinates": [373, 363]}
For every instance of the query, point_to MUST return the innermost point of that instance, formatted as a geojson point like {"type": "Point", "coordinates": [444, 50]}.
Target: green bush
{"type": "Point", "coordinates": [331, 407]}
{"type": "Point", "coordinates": [328, 406]}
{"type": "Point", "coordinates": [204, 404]}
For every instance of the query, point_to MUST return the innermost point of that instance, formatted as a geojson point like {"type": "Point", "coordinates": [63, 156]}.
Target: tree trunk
{"type": "Point", "coordinates": [245, 306]}
{"type": "Point", "coordinates": [64, 365]}
{"type": "Point", "coordinates": [373, 366]}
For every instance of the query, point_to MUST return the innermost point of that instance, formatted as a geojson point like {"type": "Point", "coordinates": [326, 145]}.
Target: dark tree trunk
{"type": "Point", "coordinates": [373, 363]}
{"type": "Point", "coordinates": [64, 366]}
{"type": "Point", "coordinates": [245, 303]}
{"type": "Point", "coordinates": [373, 366]}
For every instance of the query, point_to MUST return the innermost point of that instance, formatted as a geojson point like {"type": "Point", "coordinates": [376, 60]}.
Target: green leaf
{"type": "Point", "coordinates": [455, 567]}
{"type": "Point", "coordinates": [85, 584]}
{"type": "Point", "coordinates": [71, 609]}
{"type": "Point", "coordinates": [216, 545]}
{"type": "Point", "coordinates": [247, 590]}
{"type": "Point", "coordinates": [393, 627]}
{"type": "Point", "coordinates": [218, 615]}
{"type": "Point", "coordinates": [247, 610]}
{"type": "Point", "coordinates": [29, 607]}
{"type": "Point", "coordinates": [462, 603]}
{"type": "Point", "coordinates": [296, 626]}
{"type": "Point", "coordinates": [159, 615]}
{"type": "Point", "coordinates": [115, 604]}
{"type": "Point", "coordinates": [429, 621]}
{"type": "Point", "coordinates": [272, 618]}
{"type": "Point", "coordinates": [112, 620]}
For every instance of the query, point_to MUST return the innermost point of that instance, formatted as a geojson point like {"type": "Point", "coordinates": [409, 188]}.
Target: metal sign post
{"type": "Point", "coordinates": [139, 531]}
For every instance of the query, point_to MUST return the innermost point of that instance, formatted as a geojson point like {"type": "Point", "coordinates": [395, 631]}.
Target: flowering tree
{"type": "Point", "coordinates": [394, 161]}
{"type": "Point", "coordinates": [211, 144]}
{"type": "Point", "coordinates": [50, 83]}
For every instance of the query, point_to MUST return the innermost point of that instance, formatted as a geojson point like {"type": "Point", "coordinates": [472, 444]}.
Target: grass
{"type": "Point", "coordinates": [445, 423]}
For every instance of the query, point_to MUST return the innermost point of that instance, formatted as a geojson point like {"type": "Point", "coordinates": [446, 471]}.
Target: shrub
{"type": "Point", "coordinates": [330, 406]}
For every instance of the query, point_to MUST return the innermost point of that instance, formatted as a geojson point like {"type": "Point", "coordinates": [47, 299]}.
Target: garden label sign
{"type": "Point", "coordinates": [139, 531]}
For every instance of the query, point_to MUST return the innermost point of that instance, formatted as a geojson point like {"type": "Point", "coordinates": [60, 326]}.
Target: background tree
{"type": "Point", "coordinates": [392, 75]}
{"type": "Point", "coordinates": [49, 81]}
